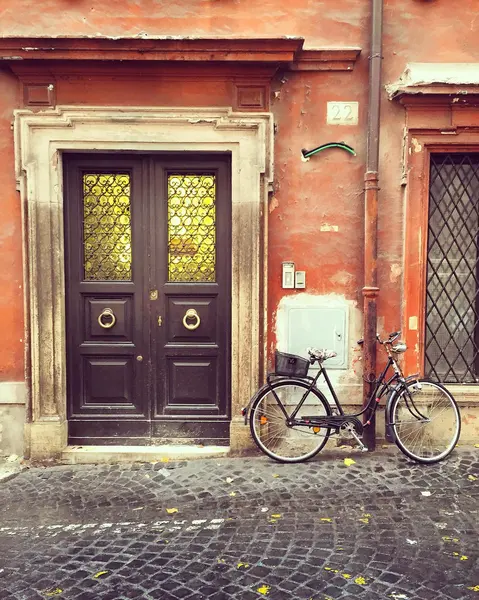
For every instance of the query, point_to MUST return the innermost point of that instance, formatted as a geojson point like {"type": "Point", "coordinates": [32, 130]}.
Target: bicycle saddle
{"type": "Point", "coordinates": [321, 355]}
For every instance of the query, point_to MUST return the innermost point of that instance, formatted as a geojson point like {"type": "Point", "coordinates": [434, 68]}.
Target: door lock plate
{"type": "Point", "coordinates": [153, 294]}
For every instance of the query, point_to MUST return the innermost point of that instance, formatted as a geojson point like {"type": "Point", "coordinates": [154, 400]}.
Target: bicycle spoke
{"type": "Point", "coordinates": [270, 428]}
{"type": "Point", "coordinates": [430, 438]}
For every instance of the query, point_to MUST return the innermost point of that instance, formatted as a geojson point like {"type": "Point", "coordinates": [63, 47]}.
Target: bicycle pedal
{"type": "Point", "coordinates": [359, 441]}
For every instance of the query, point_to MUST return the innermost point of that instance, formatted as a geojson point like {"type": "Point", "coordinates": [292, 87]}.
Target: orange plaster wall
{"type": "Point", "coordinates": [11, 274]}
{"type": "Point", "coordinates": [324, 192]}
{"type": "Point", "coordinates": [414, 31]}
{"type": "Point", "coordinates": [143, 92]}
{"type": "Point", "coordinates": [324, 23]}
{"type": "Point", "coordinates": [327, 190]}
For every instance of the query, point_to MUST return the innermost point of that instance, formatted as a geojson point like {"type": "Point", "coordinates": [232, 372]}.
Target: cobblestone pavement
{"type": "Point", "coordinates": [244, 528]}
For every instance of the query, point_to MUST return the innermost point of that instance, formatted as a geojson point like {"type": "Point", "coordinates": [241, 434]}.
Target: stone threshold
{"type": "Point", "coordinates": [74, 455]}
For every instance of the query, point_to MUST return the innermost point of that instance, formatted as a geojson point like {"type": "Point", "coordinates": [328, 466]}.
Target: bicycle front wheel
{"type": "Point", "coordinates": [425, 421]}
{"type": "Point", "coordinates": [269, 421]}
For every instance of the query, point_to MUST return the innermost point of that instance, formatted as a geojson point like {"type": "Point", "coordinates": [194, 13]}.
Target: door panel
{"type": "Point", "coordinates": [176, 312]}
{"type": "Point", "coordinates": [192, 383]}
{"type": "Point", "coordinates": [148, 255]}
{"type": "Point", "coordinates": [107, 385]}
{"type": "Point", "coordinates": [193, 346]}
{"type": "Point", "coordinates": [96, 318]}
{"type": "Point", "coordinates": [108, 381]}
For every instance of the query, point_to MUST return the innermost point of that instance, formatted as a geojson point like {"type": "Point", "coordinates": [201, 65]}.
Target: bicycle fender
{"type": "Point", "coordinates": [398, 387]}
{"type": "Point", "coordinates": [387, 413]}
{"type": "Point", "coordinates": [245, 410]}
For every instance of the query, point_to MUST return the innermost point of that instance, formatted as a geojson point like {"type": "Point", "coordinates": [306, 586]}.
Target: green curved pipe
{"type": "Point", "coordinates": [342, 145]}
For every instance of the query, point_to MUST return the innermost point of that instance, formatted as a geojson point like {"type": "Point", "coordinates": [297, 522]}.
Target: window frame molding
{"type": "Point", "coordinates": [421, 143]}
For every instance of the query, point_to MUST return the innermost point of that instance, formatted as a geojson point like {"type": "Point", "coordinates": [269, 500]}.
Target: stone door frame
{"type": "Point", "coordinates": [40, 139]}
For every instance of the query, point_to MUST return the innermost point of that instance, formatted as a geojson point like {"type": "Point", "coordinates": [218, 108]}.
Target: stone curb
{"type": "Point", "coordinates": [10, 468]}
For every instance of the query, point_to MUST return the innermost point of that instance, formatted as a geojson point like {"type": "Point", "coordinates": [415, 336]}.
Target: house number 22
{"type": "Point", "coordinates": [342, 113]}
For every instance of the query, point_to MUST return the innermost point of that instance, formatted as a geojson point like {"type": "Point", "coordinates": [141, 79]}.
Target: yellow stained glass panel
{"type": "Point", "coordinates": [106, 227]}
{"type": "Point", "coordinates": [192, 228]}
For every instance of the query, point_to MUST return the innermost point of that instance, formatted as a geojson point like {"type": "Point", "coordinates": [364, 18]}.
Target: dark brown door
{"type": "Point", "coordinates": [148, 262]}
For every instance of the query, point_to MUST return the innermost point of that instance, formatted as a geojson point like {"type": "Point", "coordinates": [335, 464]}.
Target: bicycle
{"type": "Point", "coordinates": [291, 420]}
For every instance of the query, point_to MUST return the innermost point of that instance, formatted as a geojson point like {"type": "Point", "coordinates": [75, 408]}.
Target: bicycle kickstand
{"type": "Point", "coordinates": [357, 438]}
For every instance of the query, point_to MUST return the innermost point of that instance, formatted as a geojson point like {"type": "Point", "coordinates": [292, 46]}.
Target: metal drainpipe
{"type": "Point", "coordinates": [371, 187]}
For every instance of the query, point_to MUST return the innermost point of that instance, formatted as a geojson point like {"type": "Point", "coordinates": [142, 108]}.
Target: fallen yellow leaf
{"type": "Point", "coordinates": [52, 592]}
{"type": "Point", "coordinates": [242, 565]}
{"type": "Point", "coordinates": [472, 477]}
{"type": "Point", "coordinates": [331, 569]}
{"type": "Point", "coordinates": [476, 446]}
{"type": "Point", "coordinates": [364, 520]}
{"type": "Point", "coordinates": [99, 574]}
{"type": "Point", "coordinates": [276, 516]}
{"type": "Point", "coordinates": [360, 580]}
{"type": "Point", "coordinates": [463, 557]}
{"type": "Point", "coordinates": [474, 588]}
{"type": "Point", "coordinates": [275, 475]}
{"type": "Point", "coordinates": [448, 538]}
{"type": "Point", "coordinates": [346, 575]}
{"type": "Point", "coordinates": [264, 589]}
{"type": "Point", "coordinates": [221, 561]}
{"type": "Point", "coordinates": [327, 519]}
{"type": "Point", "coordinates": [232, 493]}
{"type": "Point", "coordinates": [349, 461]}
{"type": "Point", "coordinates": [170, 511]}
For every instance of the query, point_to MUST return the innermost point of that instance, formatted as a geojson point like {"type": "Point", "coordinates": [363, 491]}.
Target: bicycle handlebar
{"type": "Point", "coordinates": [392, 337]}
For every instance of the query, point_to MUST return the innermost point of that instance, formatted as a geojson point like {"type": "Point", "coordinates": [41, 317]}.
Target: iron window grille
{"type": "Point", "coordinates": [452, 300]}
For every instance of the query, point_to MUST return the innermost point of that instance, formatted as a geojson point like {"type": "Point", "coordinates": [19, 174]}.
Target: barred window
{"type": "Point", "coordinates": [452, 302]}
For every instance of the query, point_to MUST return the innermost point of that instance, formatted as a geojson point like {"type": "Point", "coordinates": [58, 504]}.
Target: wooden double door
{"type": "Point", "coordinates": [148, 297]}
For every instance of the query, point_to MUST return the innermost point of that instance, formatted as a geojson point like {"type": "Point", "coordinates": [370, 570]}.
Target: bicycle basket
{"type": "Point", "coordinates": [290, 365]}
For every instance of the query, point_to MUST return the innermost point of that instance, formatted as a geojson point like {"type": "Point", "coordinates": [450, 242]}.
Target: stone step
{"type": "Point", "coordinates": [126, 454]}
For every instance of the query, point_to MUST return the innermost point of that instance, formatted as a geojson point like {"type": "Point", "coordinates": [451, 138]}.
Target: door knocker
{"type": "Point", "coordinates": [191, 314]}
{"type": "Point", "coordinates": [106, 312]}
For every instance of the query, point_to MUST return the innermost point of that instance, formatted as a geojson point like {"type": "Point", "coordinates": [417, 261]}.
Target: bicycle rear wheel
{"type": "Point", "coordinates": [269, 421]}
{"type": "Point", "coordinates": [425, 421]}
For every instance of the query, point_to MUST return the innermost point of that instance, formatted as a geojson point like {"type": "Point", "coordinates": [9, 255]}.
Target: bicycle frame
{"type": "Point", "coordinates": [382, 385]}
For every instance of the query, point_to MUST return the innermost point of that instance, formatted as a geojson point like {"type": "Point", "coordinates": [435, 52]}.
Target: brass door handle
{"type": "Point", "coordinates": [106, 312]}
{"type": "Point", "coordinates": [191, 314]}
